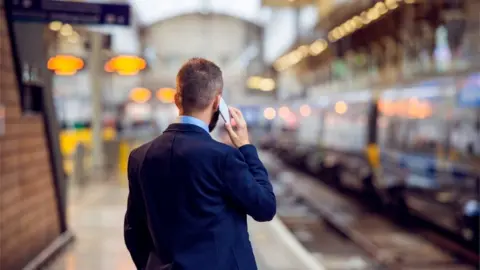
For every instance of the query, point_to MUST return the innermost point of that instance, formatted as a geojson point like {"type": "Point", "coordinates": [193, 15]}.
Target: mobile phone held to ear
{"type": "Point", "coordinates": [224, 112]}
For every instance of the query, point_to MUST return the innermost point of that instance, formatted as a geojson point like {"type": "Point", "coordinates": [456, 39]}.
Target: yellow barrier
{"type": "Point", "coordinates": [124, 151]}
{"type": "Point", "coordinates": [70, 138]}
{"type": "Point", "coordinates": [125, 148]}
{"type": "Point", "coordinates": [373, 155]}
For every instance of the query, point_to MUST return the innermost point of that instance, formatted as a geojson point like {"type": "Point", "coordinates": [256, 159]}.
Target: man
{"type": "Point", "coordinates": [189, 194]}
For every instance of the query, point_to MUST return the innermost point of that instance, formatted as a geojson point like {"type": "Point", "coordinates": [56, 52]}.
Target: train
{"type": "Point", "coordinates": [414, 149]}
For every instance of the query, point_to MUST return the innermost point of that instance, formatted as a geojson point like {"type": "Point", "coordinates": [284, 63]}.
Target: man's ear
{"type": "Point", "coordinates": [178, 101]}
{"type": "Point", "coordinates": [216, 102]}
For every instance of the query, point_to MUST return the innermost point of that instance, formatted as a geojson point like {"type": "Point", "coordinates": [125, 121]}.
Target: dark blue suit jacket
{"type": "Point", "coordinates": [189, 200]}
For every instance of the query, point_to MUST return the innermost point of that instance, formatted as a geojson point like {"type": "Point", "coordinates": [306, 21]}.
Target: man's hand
{"type": "Point", "coordinates": [240, 136]}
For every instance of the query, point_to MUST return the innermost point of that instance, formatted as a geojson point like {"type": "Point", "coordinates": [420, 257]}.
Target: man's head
{"type": "Point", "coordinates": [199, 86]}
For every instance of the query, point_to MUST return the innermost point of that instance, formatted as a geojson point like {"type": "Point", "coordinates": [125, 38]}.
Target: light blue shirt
{"type": "Point", "coordinates": [184, 119]}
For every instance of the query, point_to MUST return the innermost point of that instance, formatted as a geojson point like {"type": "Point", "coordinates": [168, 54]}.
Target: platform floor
{"type": "Point", "coordinates": [96, 214]}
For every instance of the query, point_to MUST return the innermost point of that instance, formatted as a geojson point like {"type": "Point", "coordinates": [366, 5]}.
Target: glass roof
{"type": "Point", "coordinates": [151, 11]}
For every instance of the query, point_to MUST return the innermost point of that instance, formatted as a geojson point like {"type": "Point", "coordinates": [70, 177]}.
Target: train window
{"type": "Point", "coordinates": [419, 127]}
{"type": "Point", "coordinates": [346, 131]}
{"type": "Point", "coordinates": [465, 136]}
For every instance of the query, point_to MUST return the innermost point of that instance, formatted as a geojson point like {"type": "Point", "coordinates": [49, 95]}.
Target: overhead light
{"type": "Point", "coordinates": [263, 84]}
{"type": "Point", "coordinates": [55, 25]}
{"type": "Point", "coordinates": [331, 37]}
{"type": "Point", "coordinates": [65, 65]}
{"type": "Point", "coordinates": [126, 65]}
{"type": "Point", "coordinates": [166, 95]}
{"type": "Point", "coordinates": [381, 7]}
{"type": "Point", "coordinates": [374, 13]}
{"type": "Point", "coordinates": [140, 95]}
{"type": "Point", "coordinates": [318, 47]}
{"type": "Point", "coordinates": [66, 30]}
{"type": "Point", "coordinates": [391, 4]}
{"type": "Point", "coordinates": [253, 82]}
{"type": "Point", "coordinates": [267, 85]}
{"type": "Point", "coordinates": [74, 38]}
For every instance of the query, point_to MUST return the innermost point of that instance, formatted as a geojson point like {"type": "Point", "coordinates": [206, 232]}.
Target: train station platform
{"type": "Point", "coordinates": [96, 213]}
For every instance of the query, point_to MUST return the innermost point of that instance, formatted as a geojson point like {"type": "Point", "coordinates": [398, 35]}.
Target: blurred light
{"type": "Point", "coordinates": [297, 55]}
{"type": "Point", "coordinates": [305, 110]}
{"type": "Point", "coordinates": [140, 95]}
{"type": "Point", "coordinates": [284, 112]}
{"type": "Point", "coordinates": [66, 30]}
{"type": "Point", "coordinates": [331, 37]}
{"type": "Point", "coordinates": [55, 26]}
{"type": "Point", "coordinates": [391, 4]}
{"type": "Point", "coordinates": [269, 113]}
{"type": "Point", "coordinates": [364, 17]}
{"type": "Point", "coordinates": [126, 65]}
{"type": "Point", "coordinates": [381, 7]}
{"type": "Point", "coordinates": [358, 21]}
{"type": "Point", "coordinates": [74, 38]}
{"type": "Point", "coordinates": [166, 95]}
{"type": "Point", "coordinates": [318, 47]}
{"type": "Point", "coordinates": [267, 85]}
{"type": "Point", "coordinates": [263, 84]}
{"type": "Point", "coordinates": [377, 11]}
{"type": "Point", "coordinates": [410, 1]}
{"type": "Point", "coordinates": [341, 107]}
{"type": "Point", "coordinates": [253, 82]}
{"type": "Point", "coordinates": [302, 50]}
{"type": "Point", "coordinates": [373, 14]}
{"type": "Point", "coordinates": [65, 65]}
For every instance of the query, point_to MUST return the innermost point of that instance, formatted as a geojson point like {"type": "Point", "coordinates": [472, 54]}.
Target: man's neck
{"type": "Point", "coordinates": [200, 116]}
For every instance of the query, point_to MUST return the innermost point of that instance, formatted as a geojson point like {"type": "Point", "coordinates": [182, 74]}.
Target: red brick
{"type": "Point", "coordinates": [29, 218]}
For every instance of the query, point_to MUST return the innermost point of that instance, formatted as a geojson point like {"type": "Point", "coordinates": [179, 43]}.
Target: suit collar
{"type": "Point", "coordinates": [181, 127]}
{"type": "Point", "coordinates": [185, 119]}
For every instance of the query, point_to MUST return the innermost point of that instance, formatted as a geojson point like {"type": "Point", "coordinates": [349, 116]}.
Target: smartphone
{"type": "Point", "coordinates": [224, 112]}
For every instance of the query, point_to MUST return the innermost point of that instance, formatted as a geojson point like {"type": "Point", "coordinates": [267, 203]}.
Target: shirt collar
{"type": "Point", "coordinates": [185, 119]}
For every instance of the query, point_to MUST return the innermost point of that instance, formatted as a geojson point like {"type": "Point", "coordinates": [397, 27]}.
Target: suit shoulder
{"type": "Point", "coordinates": [223, 148]}
{"type": "Point", "coordinates": [136, 153]}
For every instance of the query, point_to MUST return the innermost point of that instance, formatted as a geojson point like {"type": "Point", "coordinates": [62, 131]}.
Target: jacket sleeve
{"type": "Point", "coordinates": [246, 181]}
{"type": "Point", "coordinates": [136, 232]}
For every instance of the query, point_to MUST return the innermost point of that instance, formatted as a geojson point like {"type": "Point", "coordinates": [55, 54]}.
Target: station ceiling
{"type": "Point", "coordinates": [152, 11]}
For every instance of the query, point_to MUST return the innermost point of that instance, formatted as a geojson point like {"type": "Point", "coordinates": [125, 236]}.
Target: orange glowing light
{"type": "Point", "coordinates": [140, 95]}
{"type": "Point", "coordinates": [126, 65]}
{"type": "Point", "coordinates": [166, 95]}
{"type": "Point", "coordinates": [305, 110]}
{"type": "Point", "coordinates": [65, 65]}
{"type": "Point", "coordinates": [341, 107]}
{"type": "Point", "coordinates": [284, 112]}
{"type": "Point", "coordinates": [269, 113]}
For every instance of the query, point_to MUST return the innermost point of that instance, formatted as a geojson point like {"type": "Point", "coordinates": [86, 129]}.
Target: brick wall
{"type": "Point", "coordinates": [28, 212]}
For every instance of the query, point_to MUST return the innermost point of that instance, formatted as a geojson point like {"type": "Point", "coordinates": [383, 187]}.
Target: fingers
{"type": "Point", "coordinates": [237, 112]}
{"type": "Point", "coordinates": [237, 115]}
{"type": "Point", "coordinates": [234, 114]}
{"type": "Point", "coordinates": [230, 130]}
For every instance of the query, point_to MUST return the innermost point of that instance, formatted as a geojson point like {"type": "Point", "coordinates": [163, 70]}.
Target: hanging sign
{"type": "Point", "coordinates": [73, 12]}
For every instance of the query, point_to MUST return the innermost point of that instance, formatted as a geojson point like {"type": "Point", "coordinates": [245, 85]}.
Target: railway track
{"type": "Point", "coordinates": [331, 249]}
{"type": "Point", "coordinates": [383, 244]}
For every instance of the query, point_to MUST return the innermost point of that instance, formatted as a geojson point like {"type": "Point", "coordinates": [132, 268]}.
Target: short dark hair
{"type": "Point", "coordinates": [198, 81]}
